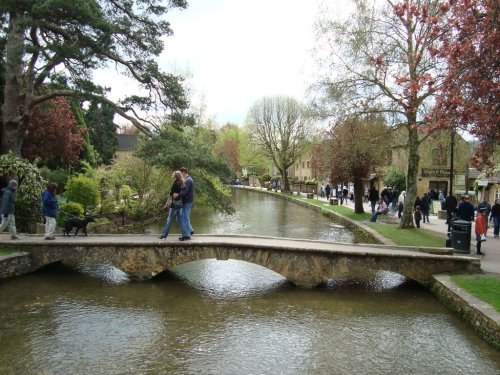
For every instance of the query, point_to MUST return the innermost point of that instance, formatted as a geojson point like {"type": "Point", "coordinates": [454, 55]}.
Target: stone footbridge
{"type": "Point", "coordinates": [303, 262]}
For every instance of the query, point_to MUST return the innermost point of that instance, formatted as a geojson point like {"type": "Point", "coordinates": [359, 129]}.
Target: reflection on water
{"type": "Point", "coordinates": [229, 317]}
{"type": "Point", "coordinates": [265, 215]}
{"type": "Point", "coordinates": [229, 279]}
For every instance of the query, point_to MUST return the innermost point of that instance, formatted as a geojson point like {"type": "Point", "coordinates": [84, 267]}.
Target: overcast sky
{"type": "Point", "coordinates": [237, 51]}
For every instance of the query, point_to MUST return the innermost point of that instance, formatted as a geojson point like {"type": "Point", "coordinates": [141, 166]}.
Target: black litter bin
{"type": "Point", "coordinates": [460, 236]}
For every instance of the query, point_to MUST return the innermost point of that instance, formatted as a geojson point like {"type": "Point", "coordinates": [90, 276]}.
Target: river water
{"type": "Point", "coordinates": [230, 317]}
{"type": "Point", "coordinates": [265, 215]}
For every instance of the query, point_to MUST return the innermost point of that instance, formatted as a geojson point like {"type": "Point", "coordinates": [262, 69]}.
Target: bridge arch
{"type": "Point", "coordinates": [304, 263]}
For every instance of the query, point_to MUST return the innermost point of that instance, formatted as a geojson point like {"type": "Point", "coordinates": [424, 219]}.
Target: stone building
{"type": "Point", "coordinates": [434, 167]}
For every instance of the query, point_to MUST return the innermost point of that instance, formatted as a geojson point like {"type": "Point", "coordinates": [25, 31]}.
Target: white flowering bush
{"type": "Point", "coordinates": [28, 197]}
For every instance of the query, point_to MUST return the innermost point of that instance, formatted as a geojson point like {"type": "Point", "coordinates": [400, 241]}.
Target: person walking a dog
{"type": "Point", "coordinates": [7, 209]}
{"type": "Point", "coordinates": [49, 210]}
{"type": "Point", "coordinates": [176, 207]}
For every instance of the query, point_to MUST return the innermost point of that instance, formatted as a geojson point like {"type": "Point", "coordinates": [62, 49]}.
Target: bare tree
{"type": "Point", "coordinates": [380, 58]}
{"type": "Point", "coordinates": [281, 128]}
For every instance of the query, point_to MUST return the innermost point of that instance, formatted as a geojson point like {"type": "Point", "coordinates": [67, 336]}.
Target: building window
{"type": "Point", "coordinates": [303, 164]}
{"type": "Point", "coordinates": [308, 164]}
{"type": "Point", "coordinates": [439, 156]}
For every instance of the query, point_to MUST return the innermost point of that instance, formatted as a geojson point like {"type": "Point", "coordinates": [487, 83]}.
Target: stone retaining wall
{"type": "Point", "coordinates": [482, 317]}
{"type": "Point", "coordinates": [15, 264]}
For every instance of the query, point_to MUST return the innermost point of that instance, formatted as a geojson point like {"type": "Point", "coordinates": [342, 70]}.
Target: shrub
{"type": "Point", "coordinates": [395, 178]}
{"type": "Point", "coordinates": [59, 176]}
{"type": "Point", "coordinates": [68, 210]}
{"type": "Point", "coordinates": [264, 178]}
{"type": "Point", "coordinates": [125, 194]}
{"type": "Point", "coordinates": [108, 205]}
{"type": "Point", "coordinates": [28, 197]}
{"type": "Point", "coordinates": [83, 190]}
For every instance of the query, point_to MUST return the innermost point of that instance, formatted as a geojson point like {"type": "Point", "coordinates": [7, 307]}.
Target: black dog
{"type": "Point", "coordinates": [78, 223]}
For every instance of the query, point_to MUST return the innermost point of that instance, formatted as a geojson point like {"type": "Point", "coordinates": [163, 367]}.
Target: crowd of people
{"type": "Point", "coordinates": [179, 204]}
{"type": "Point", "coordinates": [181, 199]}
{"type": "Point", "coordinates": [484, 214]}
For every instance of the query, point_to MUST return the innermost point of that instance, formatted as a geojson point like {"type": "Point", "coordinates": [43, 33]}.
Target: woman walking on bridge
{"type": "Point", "coordinates": [175, 207]}
{"type": "Point", "coordinates": [49, 210]}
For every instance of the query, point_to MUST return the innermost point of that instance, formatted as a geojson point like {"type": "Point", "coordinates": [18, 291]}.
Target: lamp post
{"type": "Point", "coordinates": [452, 146]}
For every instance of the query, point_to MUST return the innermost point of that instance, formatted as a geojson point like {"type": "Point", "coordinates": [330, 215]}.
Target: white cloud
{"type": "Point", "coordinates": [238, 51]}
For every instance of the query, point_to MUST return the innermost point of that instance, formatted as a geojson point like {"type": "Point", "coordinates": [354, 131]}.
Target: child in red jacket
{"type": "Point", "coordinates": [480, 229]}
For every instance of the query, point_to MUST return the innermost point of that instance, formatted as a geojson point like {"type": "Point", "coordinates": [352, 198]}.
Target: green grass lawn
{"type": "Point", "coordinates": [484, 287]}
{"type": "Point", "coordinates": [409, 237]}
{"type": "Point", "coordinates": [402, 237]}
{"type": "Point", "coordinates": [342, 210]}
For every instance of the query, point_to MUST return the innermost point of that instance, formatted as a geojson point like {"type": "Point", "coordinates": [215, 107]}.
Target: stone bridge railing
{"type": "Point", "coordinates": [305, 263]}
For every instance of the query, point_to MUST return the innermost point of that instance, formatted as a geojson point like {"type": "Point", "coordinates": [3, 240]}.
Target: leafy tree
{"type": "Point", "coordinates": [351, 158]}
{"type": "Point", "coordinates": [192, 148]}
{"type": "Point", "coordinates": [63, 42]}
{"type": "Point", "coordinates": [99, 118]}
{"type": "Point", "coordinates": [31, 185]}
{"type": "Point", "coordinates": [380, 58]}
{"type": "Point", "coordinates": [59, 176]}
{"type": "Point", "coordinates": [470, 94]}
{"type": "Point", "coordinates": [281, 129]}
{"type": "Point", "coordinates": [228, 145]}
{"type": "Point", "coordinates": [88, 153]}
{"type": "Point", "coordinates": [396, 178]}
{"type": "Point", "coordinates": [83, 190]}
{"type": "Point", "coordinates": [150, 182]}
{"type": "Point", "coordinates": [251, 162]}
{"type": "Point", "coordinates": [54, 137]}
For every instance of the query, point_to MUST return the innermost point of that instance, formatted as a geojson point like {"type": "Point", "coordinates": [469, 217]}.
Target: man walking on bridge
{"type": "Point", "coordinates": [187, 195]}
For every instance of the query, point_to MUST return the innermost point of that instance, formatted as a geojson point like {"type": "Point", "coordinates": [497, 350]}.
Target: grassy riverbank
{"type": "Point", "coordinates": [484, 287]}
{"type": "Point", "coordinates": [401, 237]}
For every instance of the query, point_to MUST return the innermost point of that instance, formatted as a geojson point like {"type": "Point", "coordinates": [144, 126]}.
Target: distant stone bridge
{"type": "Point", "coordinates": [305, 263]}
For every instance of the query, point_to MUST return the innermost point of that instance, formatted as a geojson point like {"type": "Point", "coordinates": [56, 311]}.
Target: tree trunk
{"type": "Point", "coordinates": [285, 187]}
{"type": "Point", "coordinates": [411, 179]}
{"type": "Point", "coordinates": [14, 113]}
{"type": "Point", "coordinates": [358, 195]}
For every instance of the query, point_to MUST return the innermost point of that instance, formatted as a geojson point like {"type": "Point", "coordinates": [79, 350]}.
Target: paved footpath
{"type": "Point", "coordinates": [490, 262]}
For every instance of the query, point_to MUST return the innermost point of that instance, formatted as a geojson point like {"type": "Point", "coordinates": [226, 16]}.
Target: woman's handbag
{"type": "Point", "coordinates": [177, 204]}
{"type": "Point", "coordinates": [168, 203]}
{"type": "Point", "coordinates": [483, 237]}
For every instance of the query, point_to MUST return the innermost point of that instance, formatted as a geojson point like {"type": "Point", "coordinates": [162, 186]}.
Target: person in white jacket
{"type": "Point", "coordinates": [401, 203]}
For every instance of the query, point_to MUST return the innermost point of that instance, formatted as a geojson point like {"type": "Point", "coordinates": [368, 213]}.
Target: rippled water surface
{"type": "Point", "coordinates": [229, 317]}
{"type": "Point", "coordinates": [265, 215]}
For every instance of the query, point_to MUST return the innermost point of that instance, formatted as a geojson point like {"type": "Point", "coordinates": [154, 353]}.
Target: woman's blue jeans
{"type": "Point", "coordinates": [172, 213]}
